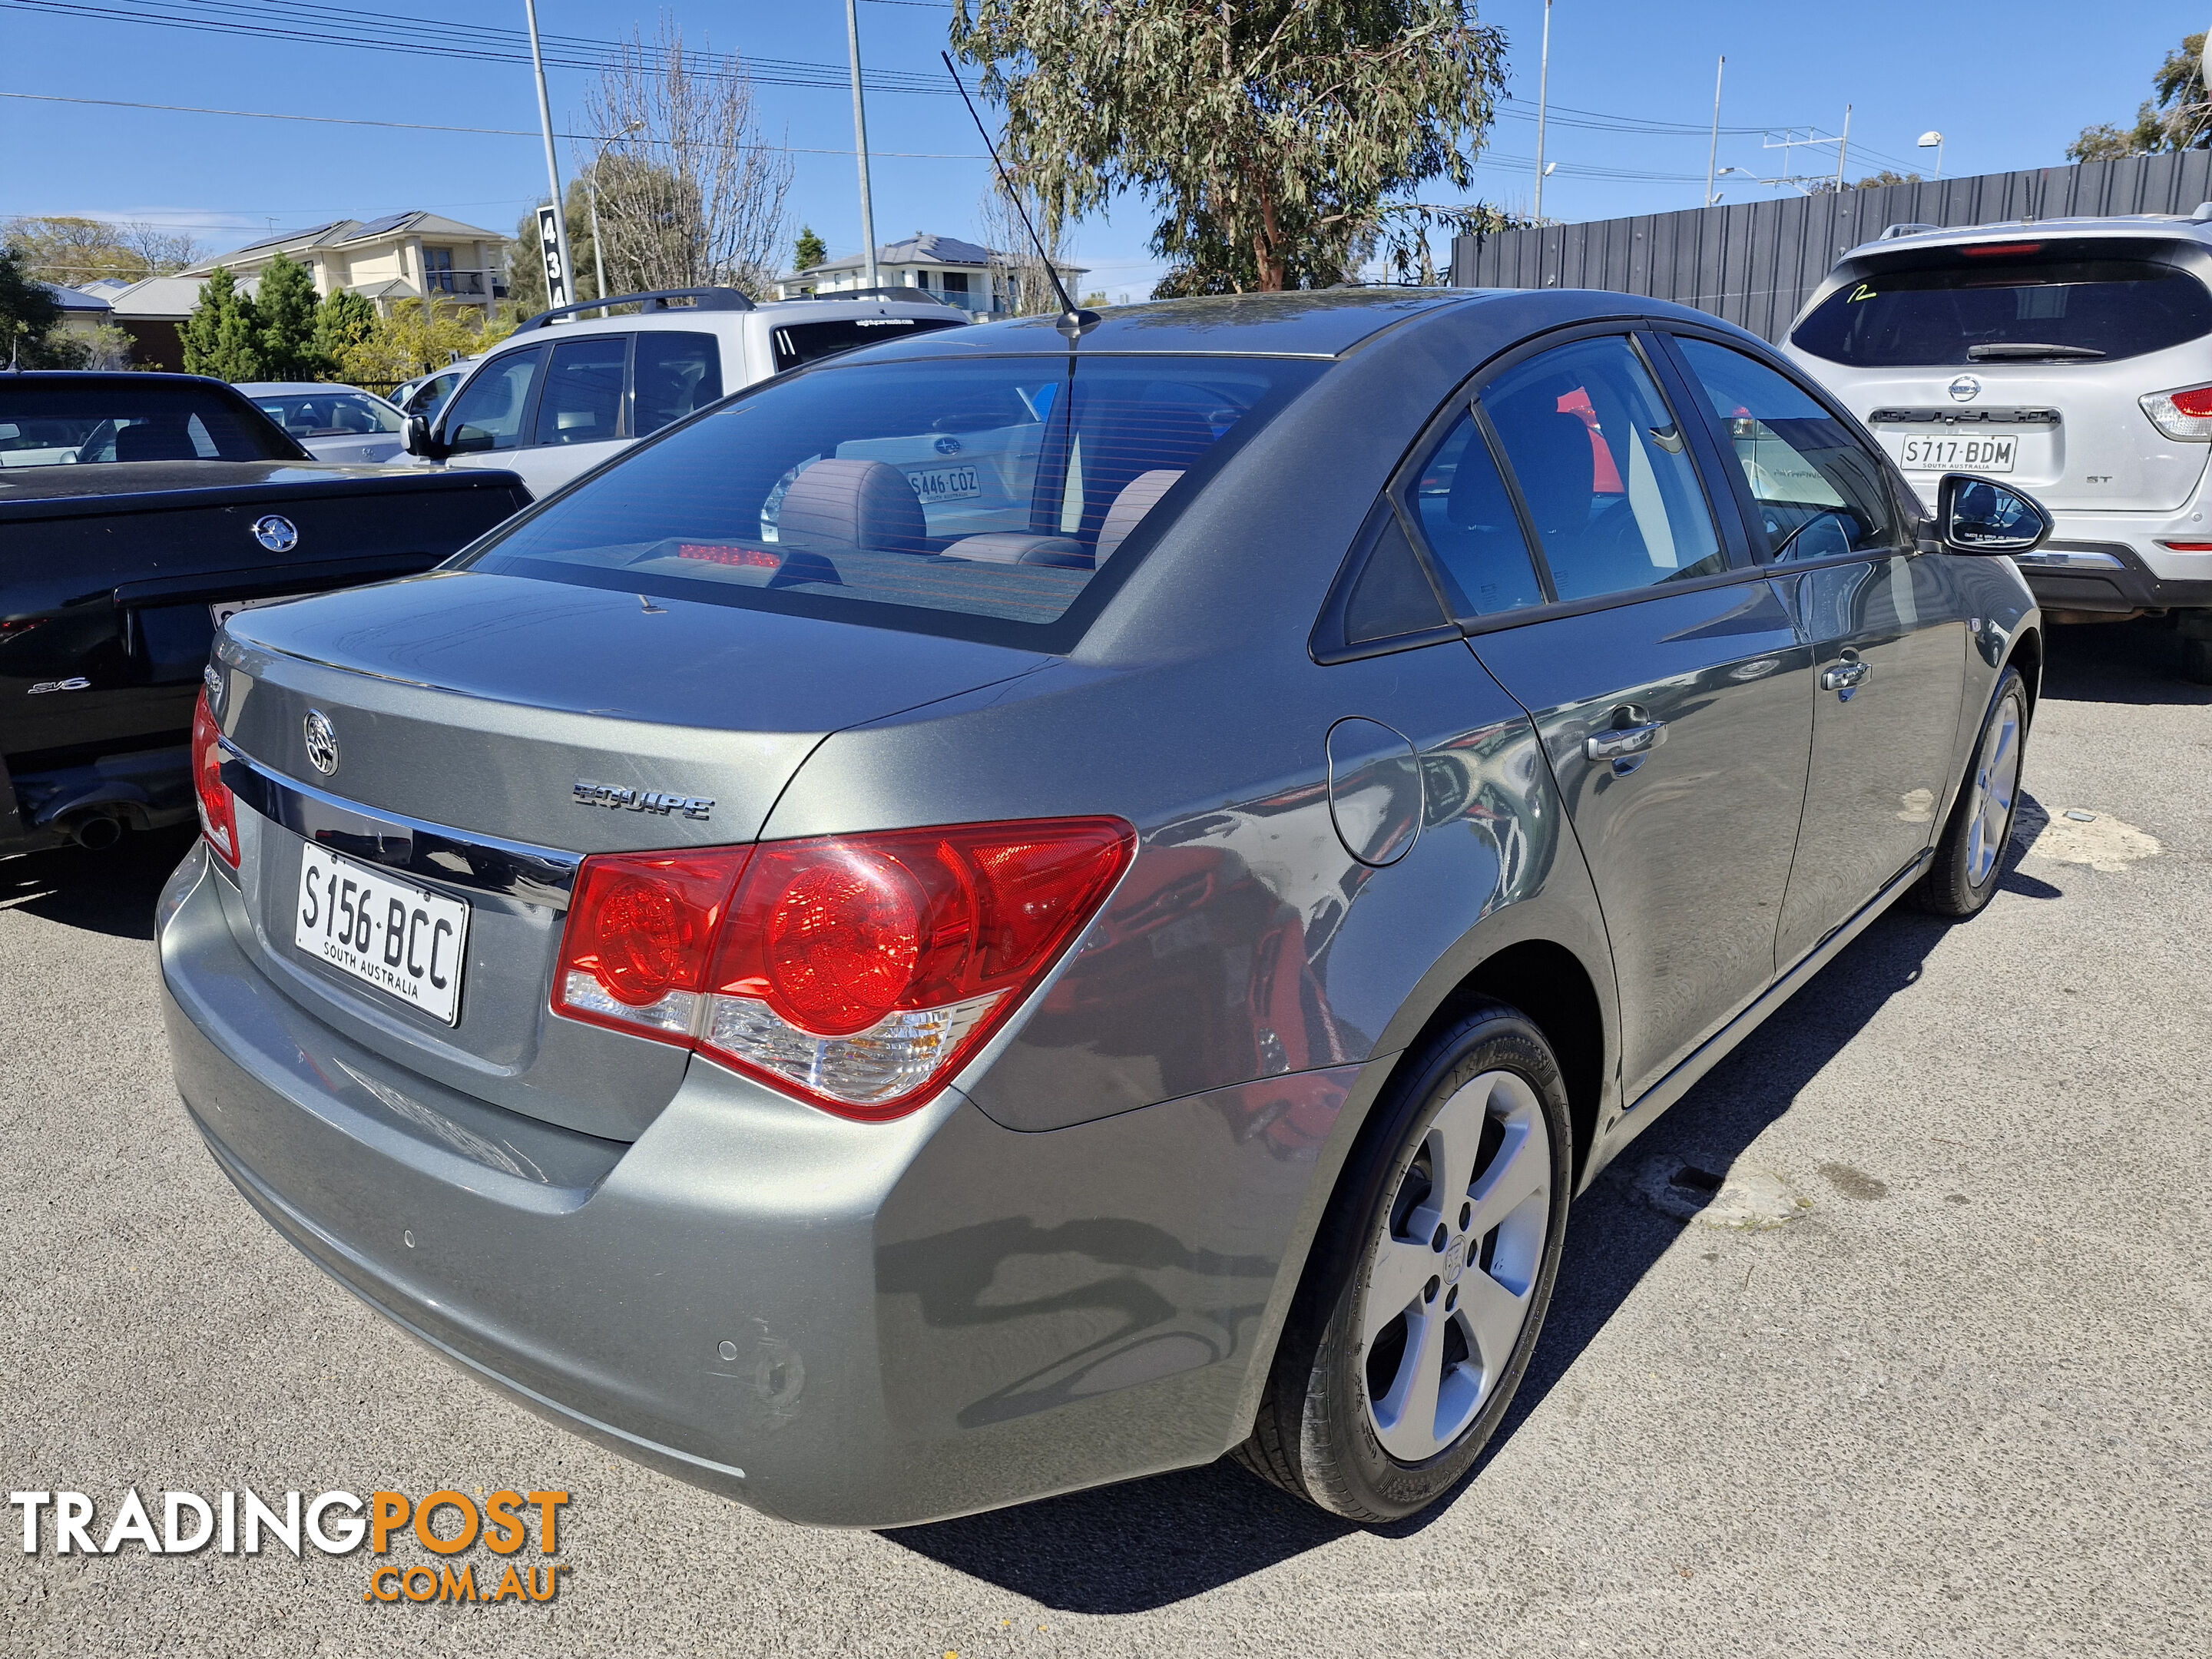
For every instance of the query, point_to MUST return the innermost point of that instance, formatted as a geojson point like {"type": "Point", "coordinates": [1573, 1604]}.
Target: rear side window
{"type": "Point", "coordinates": [1468, 522]}
{"type": "Point", "coordinates": [1604, 472]}
{"type": "Point", "coordinates": [676, 374]}
{"type": "Point", "coordinates": [804, 343]}
{"type": "Point", "coordinates": [488, 413]}
{"type": "Point", "coordinates": [981, 498]}
{"type": "Point", "coordinates": [1983, 313]}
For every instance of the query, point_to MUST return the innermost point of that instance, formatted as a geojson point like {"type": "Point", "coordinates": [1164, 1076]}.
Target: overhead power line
{"type": "Point", "coordinates": [294, 21]}
{"type": "Point", "coordinates": [427, 126]}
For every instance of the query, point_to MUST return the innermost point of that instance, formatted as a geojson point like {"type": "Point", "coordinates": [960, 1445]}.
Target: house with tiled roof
{"type": "Point", "coordinates": [403, 256]}
{"type": "Point", "coordinates": [959, 273]}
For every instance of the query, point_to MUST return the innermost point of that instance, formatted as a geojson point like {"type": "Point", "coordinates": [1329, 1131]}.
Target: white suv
{"type": "Point", "coordinates": [565, 392]}
{"type": "Point", "coordinates": [2072, 357]}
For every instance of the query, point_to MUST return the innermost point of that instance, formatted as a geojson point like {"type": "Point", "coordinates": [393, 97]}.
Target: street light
{"type": "Point", "coordinates": [1934, 141]}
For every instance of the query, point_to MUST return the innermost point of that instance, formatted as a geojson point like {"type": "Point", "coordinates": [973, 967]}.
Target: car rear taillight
{"type": "Point", "coordinates": [218, 808]}
{"type": "Point", "coordinates": [2000, 250]}
{"type": "Point", "coordinates": [855, 972]}
{"type": "Point", "coordinates": [2186, 415]}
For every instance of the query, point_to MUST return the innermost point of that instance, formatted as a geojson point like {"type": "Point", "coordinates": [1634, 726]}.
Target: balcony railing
{"type": "Point", "coordinates": [474, 284]}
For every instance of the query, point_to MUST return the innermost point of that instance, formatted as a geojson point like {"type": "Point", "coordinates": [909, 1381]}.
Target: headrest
{"type": "Point", "coordinates": [1139, 496]}
{"type": "Point", "coordinates": [1020, 547]}
{"type": "Point", "coordinates": [840, 506]}
{"type": "Point", "coordinates": [154, 440]}
{"type": "Point", "coordinates": [1555, 465]}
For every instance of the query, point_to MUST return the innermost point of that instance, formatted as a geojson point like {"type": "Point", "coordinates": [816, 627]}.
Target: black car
{"type": "Point", "coordinates": [137, 511]}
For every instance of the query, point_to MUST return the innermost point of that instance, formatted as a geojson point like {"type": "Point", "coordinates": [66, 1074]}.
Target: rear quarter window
{"type": "Point", "coordinates": [794, 344]}
{"type": "Point", "coordinates": [1966, 313]}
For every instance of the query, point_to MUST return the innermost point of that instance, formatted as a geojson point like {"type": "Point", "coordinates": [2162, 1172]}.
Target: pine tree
{"type": "Point", "coordinates": [285, 317]}
{"type": "Point", "coordinates": [30, 320]}
{"type": "Point", "coordinates": [811, 250]}
{"type": "Point", "coordinates": [220, 335]}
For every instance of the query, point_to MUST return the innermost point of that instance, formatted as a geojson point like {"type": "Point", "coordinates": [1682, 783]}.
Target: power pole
{"type": "Point", "coordinates": [552, 163]}
{"type": "Point", "coordinates": [1713, 156]}
{"type": "Point", "coordinates": [1843, 148]}
{"type": "Point", "coordinates": [1543, 99]}
{"type": "Point", "coordinates": [860, 140]}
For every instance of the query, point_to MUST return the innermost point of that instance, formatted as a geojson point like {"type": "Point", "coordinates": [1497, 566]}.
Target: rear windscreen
{"type": "Point", "coordinates": [61, 424]}
{"type": "Point", "coordinates": [2085, 309]}
{"type": "Point", "coordinates": [983, 498]}
{"type": "Point", "coordinates": [806, 343]}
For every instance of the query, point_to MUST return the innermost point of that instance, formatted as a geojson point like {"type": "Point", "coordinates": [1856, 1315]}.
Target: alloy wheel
{"type": "Point", "coordinates": [1996, 788]}
{"type": "Point", "coordinates": [1452, 1269]}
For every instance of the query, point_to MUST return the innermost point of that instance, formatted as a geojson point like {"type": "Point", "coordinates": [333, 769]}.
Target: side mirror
{"type": "Point", "coordinates": [417, 441]}
{"type": "Point", "coordinates": [1981, 516]}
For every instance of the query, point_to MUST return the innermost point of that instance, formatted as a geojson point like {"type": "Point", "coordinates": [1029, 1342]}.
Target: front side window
{"type": "Point", "coordinates": [1604, 471]}
{"type": "Point", "coordinates": [974, 497]}
{"type": "Point", "coordinates": [487, 413]}
{"type": "Point", "coordinates": [1818, 489]}
{"type": "Point", "coordinates": [583, 397]}
{"type": "Point", "coordinates": [2009, 309]}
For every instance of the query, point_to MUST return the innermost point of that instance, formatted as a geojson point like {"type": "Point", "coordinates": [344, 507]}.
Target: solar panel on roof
{"type": "Point", "coordinates": [378, 227]}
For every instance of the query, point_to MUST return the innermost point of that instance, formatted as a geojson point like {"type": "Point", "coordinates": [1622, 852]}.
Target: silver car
{"type": "Point", "coordinates": [1015, 909]}
{"type": "Point", "coordinates": [2073, 356]}
{"type": "Point", "coordinates": [331, 422]}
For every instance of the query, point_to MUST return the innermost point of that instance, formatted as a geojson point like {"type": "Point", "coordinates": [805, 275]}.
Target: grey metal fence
{"type": "Point", "coordinates": [1754, 263]}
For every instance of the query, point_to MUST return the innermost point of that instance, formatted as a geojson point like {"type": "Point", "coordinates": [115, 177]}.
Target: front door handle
{"type": "Point", "coordinates": [1844, 677]}
{"type": "Point", "coordinates": [1623, 740]}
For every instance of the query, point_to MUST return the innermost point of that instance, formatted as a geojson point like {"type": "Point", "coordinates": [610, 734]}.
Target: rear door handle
{"type": "Point", "coordinates": [1625, 740]}
{"type": "Point", "coordinates": [1845, 676]}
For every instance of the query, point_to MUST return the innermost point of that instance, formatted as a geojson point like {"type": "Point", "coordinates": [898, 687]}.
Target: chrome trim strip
{"type": "Point", "coordinates": [450, 858]}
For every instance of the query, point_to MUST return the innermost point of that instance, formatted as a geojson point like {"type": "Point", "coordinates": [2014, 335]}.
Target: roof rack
{"type": "Point", "coordinates": [1892, 232]}
{"type": "Point", "coordinates": [702, 299]}
{"type": "Point", "coordinates": [883, 293]}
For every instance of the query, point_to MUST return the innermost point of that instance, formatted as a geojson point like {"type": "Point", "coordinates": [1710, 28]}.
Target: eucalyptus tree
{"type": "Point", "coordinates": [1279, 140]}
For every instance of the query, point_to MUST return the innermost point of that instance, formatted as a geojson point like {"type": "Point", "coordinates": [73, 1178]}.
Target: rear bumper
{"type": "Point", "coordinates": [840, 1323]}
{"type": "Point", "coordinates": [2107, 577]}
{"type": "Point", "coordinates": [2119, 562]}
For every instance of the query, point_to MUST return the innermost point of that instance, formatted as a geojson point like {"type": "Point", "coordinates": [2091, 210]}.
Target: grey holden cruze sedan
{"type": "Point", "coordinates": [1016, 910]}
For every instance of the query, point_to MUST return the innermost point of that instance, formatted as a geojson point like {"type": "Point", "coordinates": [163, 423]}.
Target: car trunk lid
{"type": "Point", "coordinates": [484, 716]}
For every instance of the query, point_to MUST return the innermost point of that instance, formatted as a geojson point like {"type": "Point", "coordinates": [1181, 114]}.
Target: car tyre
{"type": "Point", "coordinates": [1421, 1303]}
{"type": "Point", "coordinates": [1970, 859]}
{"type": "Point", "coordinates": [2197, 659]}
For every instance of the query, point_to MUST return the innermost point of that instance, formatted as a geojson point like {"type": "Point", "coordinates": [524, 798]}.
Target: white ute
{"type": "Point", "coordinates": [567, 391]}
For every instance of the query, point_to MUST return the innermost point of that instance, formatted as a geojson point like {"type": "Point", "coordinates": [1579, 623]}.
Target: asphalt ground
{"type": "Point", "coordinates": [1958, 1405]}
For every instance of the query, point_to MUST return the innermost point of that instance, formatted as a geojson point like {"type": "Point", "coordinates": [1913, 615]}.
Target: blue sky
{"type": "Point", "coordinates": [2009, 86]}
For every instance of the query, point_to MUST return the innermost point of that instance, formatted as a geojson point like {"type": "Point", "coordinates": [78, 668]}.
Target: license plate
{"type": "Point", "coordinates": [406, 941]}
{"type": "Point", "coordinates": [1959, 454]}
{"type": "Point", "coordinates": [946, 484]}
{"type": "Point", "coordinates": [224, 609]}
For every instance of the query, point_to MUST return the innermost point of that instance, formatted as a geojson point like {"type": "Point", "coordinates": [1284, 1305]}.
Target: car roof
{"type": "Point", "coordinates": [1305, 323]}
{"type": "Point", "coordinates": [265, 388]}
{"type": "Point", "coordinates": [695, 318]}
{"type": "Point", "coordinates": [2161, 226]}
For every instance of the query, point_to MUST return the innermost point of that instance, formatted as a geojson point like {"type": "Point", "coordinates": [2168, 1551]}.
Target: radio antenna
{"type": "Point", "coordinates": [1075, 322]}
